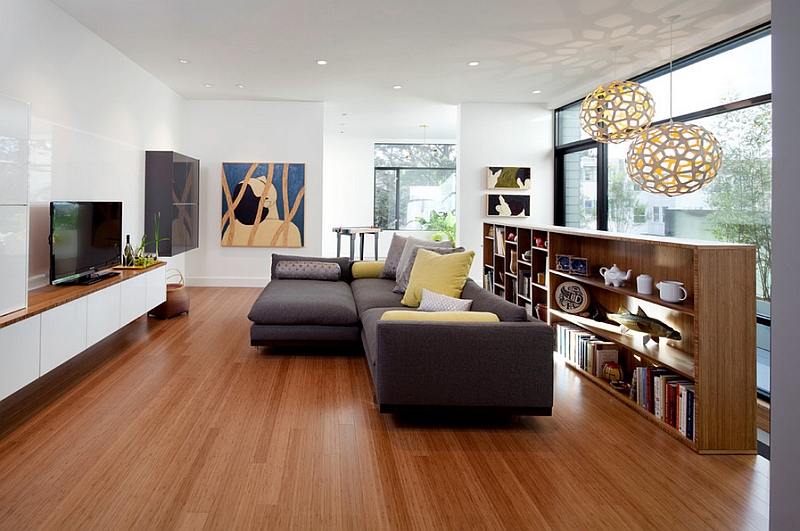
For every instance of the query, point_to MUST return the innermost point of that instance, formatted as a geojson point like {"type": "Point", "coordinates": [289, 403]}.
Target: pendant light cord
{"type": "Point", "coordinates": [671, 22]}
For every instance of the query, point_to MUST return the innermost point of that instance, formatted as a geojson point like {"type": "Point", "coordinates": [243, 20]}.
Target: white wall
{"type": "Point", "coordinates": [785, 429]}
{"type": "Point", "coordinates": [93, 113]}
{"type": "Point", "coordinates": [249, 131]}
{"type": "Point", "coordinates": [499, 134]}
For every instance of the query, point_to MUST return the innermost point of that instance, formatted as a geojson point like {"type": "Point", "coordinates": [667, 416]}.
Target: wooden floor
{"type": "Point", "coordinates": [180, 424]}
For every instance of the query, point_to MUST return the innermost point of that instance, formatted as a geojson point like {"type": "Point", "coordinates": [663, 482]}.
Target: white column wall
{"type": "Point", "coordinates": [93, 113]}
{"type": "Point", "coordinates": [250, 131]}
{"type": "Point", "coordinates": [785, 363]}
{"type": "Point", "coordinates": [499, 134]}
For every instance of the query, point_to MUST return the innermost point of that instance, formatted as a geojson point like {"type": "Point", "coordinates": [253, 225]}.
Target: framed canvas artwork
{"type": "Point", "coordinates": [500, 177]}
{"type": "Point", "coordinates": [263, 204]}
{"type": "Point", "coordinates": [516, 206]}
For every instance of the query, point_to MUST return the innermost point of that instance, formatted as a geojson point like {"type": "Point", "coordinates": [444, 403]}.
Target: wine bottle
{"type": "Point", "coordinates": [127, 254]}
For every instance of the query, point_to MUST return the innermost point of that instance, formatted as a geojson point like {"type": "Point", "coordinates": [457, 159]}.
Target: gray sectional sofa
{"type": "Point", "coordinates": [503, 367]}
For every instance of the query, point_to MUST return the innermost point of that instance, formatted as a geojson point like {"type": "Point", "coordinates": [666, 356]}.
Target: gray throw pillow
{"type": "Point", "coordinates": [343, 261]}
{"type": "Point", "coordinates": [305, 270]}
{"type": "Point", "coordinates": [411, 242]}
{"type": "Point", "coordinates": [405, 275]}
{"type": "Point", "coordinates": [389, 270]}
{"type": "Point", "coordinates": [436, 302]}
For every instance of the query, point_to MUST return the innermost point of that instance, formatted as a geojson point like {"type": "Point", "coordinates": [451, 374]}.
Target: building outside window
{"type": "Point", "coordinates": [411, 181]}
{"type": "Point", "coordinates": [727, 90]}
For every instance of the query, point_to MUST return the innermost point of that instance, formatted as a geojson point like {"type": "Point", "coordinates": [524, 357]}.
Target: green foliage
{"type": "Point", "coordinates": [442, 222]}
{"type": "Point", "coordinates": [741, 193]}
{"type": "Point", "coordinates": [624, 207]}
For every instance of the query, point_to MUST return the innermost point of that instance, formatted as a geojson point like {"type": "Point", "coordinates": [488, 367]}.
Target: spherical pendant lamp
{"type": "Point", "coordinates": [673, 159]}
{"type": "Point", "coordinates": [617, 111]}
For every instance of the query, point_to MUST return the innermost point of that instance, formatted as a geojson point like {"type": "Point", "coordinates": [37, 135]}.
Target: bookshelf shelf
{"type": "Point", "coordinates": [716, 353]}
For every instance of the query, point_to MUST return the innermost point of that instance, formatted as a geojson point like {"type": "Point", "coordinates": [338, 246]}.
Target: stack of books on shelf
{"type": "Point", "coordinates": [668, 396]}
{"type": "Point", "coordinates": [499, 241]}
{"type": "Point", "coordinates": [488, 279]}
{"type": "Point", "coordinates": [584, 349]}
{"type": "Point", "coordinates": [525, 284]}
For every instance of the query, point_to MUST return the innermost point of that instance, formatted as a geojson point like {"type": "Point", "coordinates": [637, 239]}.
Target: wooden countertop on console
{"type": "Point", "coordinates": [47, 297]}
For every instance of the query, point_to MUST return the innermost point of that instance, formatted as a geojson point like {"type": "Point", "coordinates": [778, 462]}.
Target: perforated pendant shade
{"type": "Point", "coordinates": [673, 159]}
{"type": "Point", "coordinates": [617, 111]}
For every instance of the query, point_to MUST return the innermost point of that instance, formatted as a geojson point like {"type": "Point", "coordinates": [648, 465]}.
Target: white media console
{"type": "Point", "coordinates": [60, 322]}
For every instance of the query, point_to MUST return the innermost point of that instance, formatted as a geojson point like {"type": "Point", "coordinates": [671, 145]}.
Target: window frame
{"type": "Point", "coordinates": [560, 151]}
{"type": "Point", "coordinates": [397, 169]}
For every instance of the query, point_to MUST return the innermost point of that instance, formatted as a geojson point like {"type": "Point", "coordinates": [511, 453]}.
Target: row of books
{"type": "Point", "coordinates": [668, 396]}
{"type": "Point", "coordinates": [499, 241]}
{"type": "Point", "coordinates": [525, 284]}
{"type": "Point", "coordinates": [488, 280]}
{"type": "Point", "coordinates": [584, 349]}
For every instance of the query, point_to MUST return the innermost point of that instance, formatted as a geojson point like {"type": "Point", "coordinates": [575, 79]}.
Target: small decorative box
{"type": "Point", "coordinates": [564, 262]}
{"type": "Point", "coordinates": [579, 266]}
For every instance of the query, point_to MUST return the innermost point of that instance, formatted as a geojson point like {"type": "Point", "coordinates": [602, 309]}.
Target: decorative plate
{"type": "Point", "coordinates": [572, 297]}
{"type": "Point", "coordinates": [620, 385]}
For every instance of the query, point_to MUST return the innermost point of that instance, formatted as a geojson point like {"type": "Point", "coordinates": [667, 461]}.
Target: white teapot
{"type": "Point", "coordinates": [615, 276]}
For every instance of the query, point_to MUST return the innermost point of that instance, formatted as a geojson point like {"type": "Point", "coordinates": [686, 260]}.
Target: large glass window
{"type": "Point", "coordinates": [411, 181]}
{"type": "Point", "coordinates": [726, 90]}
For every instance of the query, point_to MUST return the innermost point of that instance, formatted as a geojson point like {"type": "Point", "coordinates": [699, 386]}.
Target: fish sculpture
{"type": "Point", "coordinates": [642, 323]}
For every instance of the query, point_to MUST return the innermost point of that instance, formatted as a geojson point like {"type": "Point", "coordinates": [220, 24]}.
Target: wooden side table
{"type": "Point", "coordinates": [353, 232]}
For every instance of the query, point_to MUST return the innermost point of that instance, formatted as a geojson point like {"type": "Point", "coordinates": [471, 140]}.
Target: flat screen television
{"type": "Point", "coordinates": [85, 238]}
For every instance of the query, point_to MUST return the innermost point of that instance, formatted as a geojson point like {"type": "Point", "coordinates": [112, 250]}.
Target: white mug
{"type": "Point", "coordinates": [671, 291]}
{"type": "Point", "coordinates": [644, 284]}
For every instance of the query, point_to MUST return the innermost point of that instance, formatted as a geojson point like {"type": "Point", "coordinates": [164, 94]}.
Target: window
{"type": "Point", "coordinates": [727, 90]}
{"type": "Point", "coordinates": [411, 180]}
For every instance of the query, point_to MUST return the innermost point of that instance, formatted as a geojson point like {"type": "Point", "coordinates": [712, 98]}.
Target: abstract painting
{"type": "Point", "coordinates": [508, 206]}
{"type": "Point", "coordinates": [508, 177]}
{"type": "Point", "coordinates": [263, 204]}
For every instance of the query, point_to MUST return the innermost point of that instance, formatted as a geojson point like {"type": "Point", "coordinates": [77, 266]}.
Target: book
{"type": "Point", "coordinates": [603, 356]}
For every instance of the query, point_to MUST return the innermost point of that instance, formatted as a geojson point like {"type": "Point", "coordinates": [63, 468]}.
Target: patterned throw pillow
{"type": "Point", "coordinates": [436, 302]}
{"type": "Point", "coordinates": [393, 257]}
{"type": "Point", "coordinates": [405, 274]}
{"type": "Point", "coordinates": [303, 270]}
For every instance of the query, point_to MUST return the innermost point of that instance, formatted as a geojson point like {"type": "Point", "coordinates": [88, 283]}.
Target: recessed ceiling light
{"type": "Point", "coordinates": [184, 61]}
{"type": "Point", "coordinates": [208, 85]}
{"type": "Point", "coordinates": [473, 63]}
{"type": "Point", "coordinates": [536, 92]}
{"type": "Point", "coordinates": [240, 86]}
{"type": "Point", "coordinates": [397, 87]}
{"type": "Point", "coordinates": [322, 62]}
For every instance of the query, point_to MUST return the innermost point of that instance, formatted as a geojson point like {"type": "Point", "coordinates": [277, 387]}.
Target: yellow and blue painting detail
{"type": "Point", "coordinates": [263, 204]}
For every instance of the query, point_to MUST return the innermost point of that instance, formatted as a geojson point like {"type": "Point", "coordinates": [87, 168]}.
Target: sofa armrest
{"type": "Point", "coordinates": [464, 364]}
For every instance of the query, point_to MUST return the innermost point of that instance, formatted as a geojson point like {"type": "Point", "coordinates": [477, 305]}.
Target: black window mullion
{"type": "Point", "coordinates": [397, 199]}
{"type": "Point", "coordinates": [602, 187]}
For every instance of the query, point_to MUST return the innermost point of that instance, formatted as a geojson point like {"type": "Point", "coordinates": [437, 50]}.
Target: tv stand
{"type": "Point", "coordinates": [95, 277]}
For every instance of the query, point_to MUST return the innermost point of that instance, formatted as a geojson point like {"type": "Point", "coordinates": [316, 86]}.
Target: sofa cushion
{"type": "Point", "coordinates": [374, 293]}
{"type": "Point", "coordinates": [436, 302]}
{"type": "Point", "coordinates": [366, 269]}
{"type": "Point", "coordinates": [313, 302]}
{"type": "Point", "coordinates": [463, 317]}
{"type": "Point", "coordinates": [307, 270]}
{"type": "Point", "coordinates": [445, 274]}
{"type": "Point", "coordinates": [343, 261]}
{"type": "Point", "coordinates": [408, 249]}
{"type": "Point", "coordinates": [403, 275]}
{"type": "Point", "coordinates": [485, 301]}
{"type": "Point", "coordinates": [393, 257]}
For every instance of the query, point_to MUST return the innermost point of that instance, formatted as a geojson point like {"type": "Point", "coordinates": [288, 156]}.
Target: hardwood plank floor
{"type": "Point", "coordinates": [180, 424]}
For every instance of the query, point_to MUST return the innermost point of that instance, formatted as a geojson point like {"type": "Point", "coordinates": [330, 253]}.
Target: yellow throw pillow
{"type": "Point", "coordinates": [366, 269]}
{"type": "Point", "coordinates": [465, 317]}
{"type": "Point", "coordinates": [439, 273]}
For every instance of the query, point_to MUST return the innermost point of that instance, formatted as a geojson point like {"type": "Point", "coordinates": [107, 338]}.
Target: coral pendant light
{"type": "Point", "coordinates": [617, 111]}
{"type": "Point", "coordinates": [673, 158]}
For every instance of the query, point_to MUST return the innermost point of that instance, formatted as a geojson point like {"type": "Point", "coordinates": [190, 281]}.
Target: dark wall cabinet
{"type": "Point", "coordinates": [172, 187]}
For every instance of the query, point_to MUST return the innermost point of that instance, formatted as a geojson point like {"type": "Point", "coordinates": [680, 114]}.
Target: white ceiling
{"type": "Point", "coordinates": [561, 47]}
